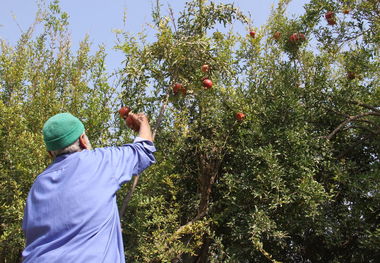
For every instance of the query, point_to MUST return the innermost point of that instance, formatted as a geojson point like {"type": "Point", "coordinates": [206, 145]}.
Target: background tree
{"type": "Point", "coordinates": [39, 77]}
{"type": "Point", "coordinates": [297, 179]}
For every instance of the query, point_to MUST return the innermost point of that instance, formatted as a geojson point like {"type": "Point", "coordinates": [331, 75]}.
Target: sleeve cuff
{"type": "Point", "coordinates": [146, 143]}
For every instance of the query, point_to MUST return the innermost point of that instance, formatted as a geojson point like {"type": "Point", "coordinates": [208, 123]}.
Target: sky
{"type": "Point", "coordinates": [100, 18]}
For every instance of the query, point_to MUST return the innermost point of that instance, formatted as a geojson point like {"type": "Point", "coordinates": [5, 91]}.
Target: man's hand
{"type": "Point", "coordinates": [140, 123]}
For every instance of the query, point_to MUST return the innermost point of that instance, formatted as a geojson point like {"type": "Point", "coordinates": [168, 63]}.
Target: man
{"type": "Point", "coordinates": [71, 213]}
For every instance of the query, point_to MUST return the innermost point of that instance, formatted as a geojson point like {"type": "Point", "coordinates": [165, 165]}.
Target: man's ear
{"type": "Point", "coordinates": [83, 142]}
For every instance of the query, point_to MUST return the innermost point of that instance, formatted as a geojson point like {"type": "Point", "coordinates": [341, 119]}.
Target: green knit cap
{"type": "Point", "coordinates": [61, 130]}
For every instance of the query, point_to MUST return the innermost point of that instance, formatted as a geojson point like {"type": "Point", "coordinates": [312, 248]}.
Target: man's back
{"type": "Point", "coordinates": [71, 213]}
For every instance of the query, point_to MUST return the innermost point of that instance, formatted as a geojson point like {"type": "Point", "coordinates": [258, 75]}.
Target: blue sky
{"type": "Point", "coordinates": [98, 18]}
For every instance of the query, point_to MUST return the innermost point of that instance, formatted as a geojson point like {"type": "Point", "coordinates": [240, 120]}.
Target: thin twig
{"type": "Point", "coordinates": [18, 25]}
{"type": "Point", "coordinates": [172, 18]}
{"type": "Point", "coordinates": [161, 114]}
{"type": "Point", "coordinates": [128, 196]}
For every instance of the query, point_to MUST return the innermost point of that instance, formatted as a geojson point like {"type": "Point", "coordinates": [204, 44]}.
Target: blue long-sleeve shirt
{"type": "Point", "coordinates": [71, 213]}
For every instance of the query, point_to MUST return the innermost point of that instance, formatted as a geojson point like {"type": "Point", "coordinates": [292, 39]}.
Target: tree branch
{"type": "Point", "coordinates": [181, 228]}
{"type": "Point", "coordinates": [373, 108]}
{"type": "Point", "coordinates": [351, 119]}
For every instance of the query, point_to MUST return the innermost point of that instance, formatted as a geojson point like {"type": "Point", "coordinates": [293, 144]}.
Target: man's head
{"type": "Point", "coordinates": [64, 133]}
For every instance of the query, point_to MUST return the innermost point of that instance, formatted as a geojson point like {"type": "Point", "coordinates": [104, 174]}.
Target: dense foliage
{"type": "Point", "coordinates": [295, 180]}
